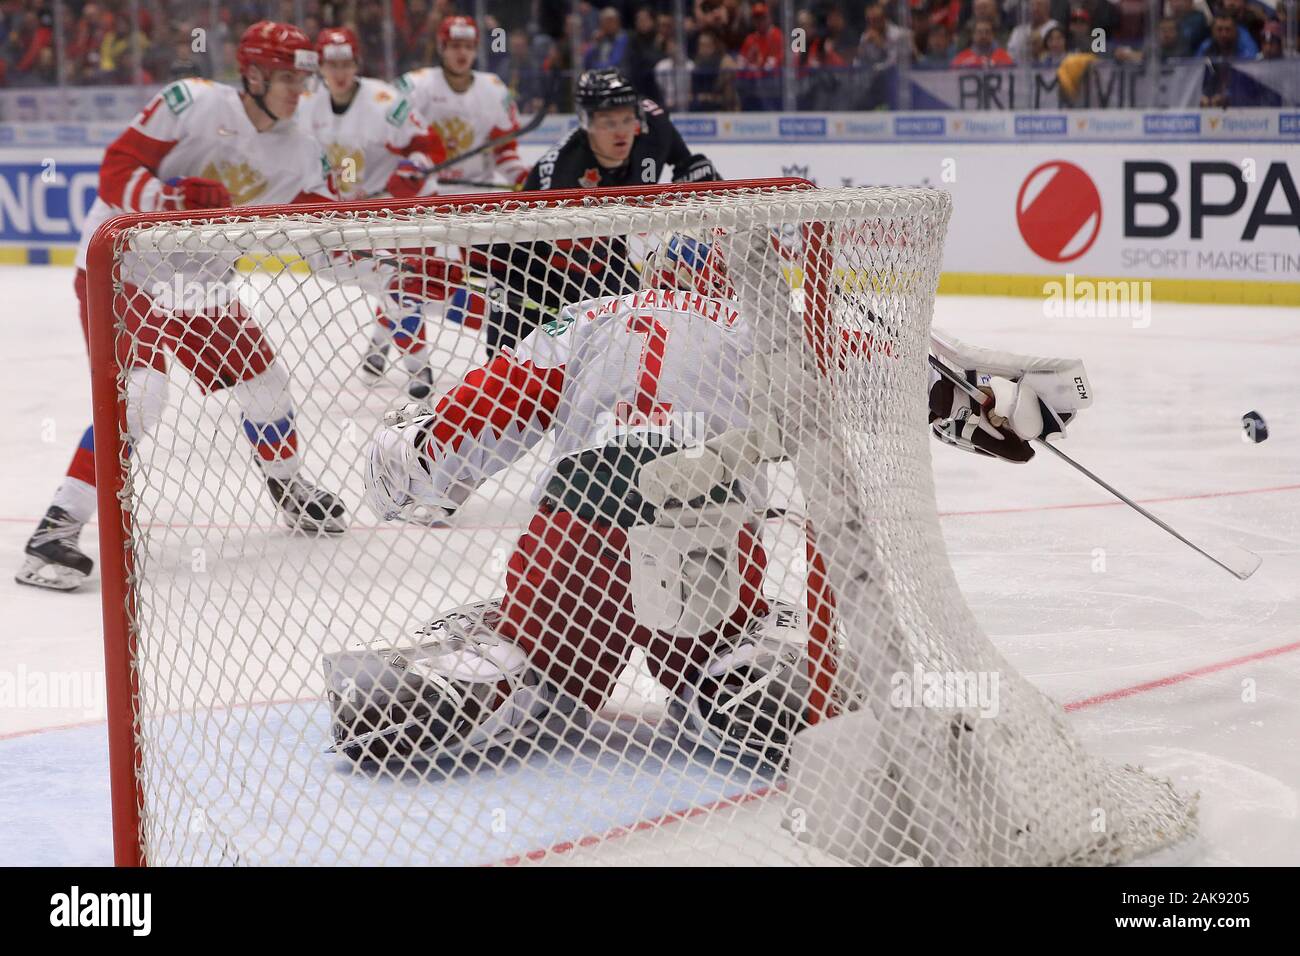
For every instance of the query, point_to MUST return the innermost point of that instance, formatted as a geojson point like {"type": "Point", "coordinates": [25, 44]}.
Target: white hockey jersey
{"type": "Point", "coordinates": [198, 128]}
{"type": "Point", "coordinates": [663, 366]}
{"type": "Point", "coordinates": [465, 120]}
{"type": "Point", "coordinates": [365, 142]}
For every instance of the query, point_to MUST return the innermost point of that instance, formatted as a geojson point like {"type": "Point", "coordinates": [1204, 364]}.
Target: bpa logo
{"type": "Point", "coordinates": [1058, 211]}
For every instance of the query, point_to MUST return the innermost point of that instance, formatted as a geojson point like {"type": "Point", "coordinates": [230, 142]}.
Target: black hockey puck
{"type": "Point", "coordinates": [1253, 427]}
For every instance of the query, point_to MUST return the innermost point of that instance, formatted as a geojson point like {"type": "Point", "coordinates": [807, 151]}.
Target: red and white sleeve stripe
{"type": "Point", "coordinates": [507, 154]}
{"type": "Point", "coordinates": [127, 175]}
{"type": "Point", "coordinates": [493, 417]}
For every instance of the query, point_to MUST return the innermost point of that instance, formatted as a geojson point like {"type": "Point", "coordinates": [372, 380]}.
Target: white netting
{"type": "Point", "coordinates": [833, 699]}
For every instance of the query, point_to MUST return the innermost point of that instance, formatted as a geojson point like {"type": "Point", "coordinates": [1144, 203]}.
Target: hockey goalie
{"type": "Point", "coordinates": [667, 407]}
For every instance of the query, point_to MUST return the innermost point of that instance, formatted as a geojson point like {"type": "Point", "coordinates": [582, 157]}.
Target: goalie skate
{"type": "Point", "coordinates": [752, 697]}
{"type": "Point", "coordinates": [53, 559]}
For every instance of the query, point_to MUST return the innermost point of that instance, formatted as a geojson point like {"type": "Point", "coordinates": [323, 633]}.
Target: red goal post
{"type": "Point", "coordinates": [109, 410]}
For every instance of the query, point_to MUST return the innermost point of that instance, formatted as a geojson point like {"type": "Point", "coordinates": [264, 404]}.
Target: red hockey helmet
{"type": "Point", "coordinates": [457, 28]}
{"type": "Point", "coordinates": [275, 46]}
{"type": "Point", "coordinates": [338, 43]}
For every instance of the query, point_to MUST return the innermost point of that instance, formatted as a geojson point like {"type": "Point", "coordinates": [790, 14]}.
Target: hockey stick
{"type": "Point", "coordinates": [483, 184]}
{"type": "Point", "coordinates": [1237, 561]}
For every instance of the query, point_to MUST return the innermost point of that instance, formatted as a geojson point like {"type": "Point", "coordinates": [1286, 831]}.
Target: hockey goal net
{"type": "Point", "coordinates": [854, 734]}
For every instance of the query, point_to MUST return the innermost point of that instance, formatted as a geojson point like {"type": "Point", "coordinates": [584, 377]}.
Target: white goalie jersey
{"type": "Point", "coordinates": [656, 367]}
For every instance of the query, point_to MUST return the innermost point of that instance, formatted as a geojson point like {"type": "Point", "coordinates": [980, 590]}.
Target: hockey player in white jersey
{"type": "Point", "coordinates": [646, 529]}
{"type": "Point", "coordinates": [200, 145]}
{"type": "Point", "coordinates": [374, 140]}
{"type": "Point", "coordinates": [376, 144]}
{"type": "Point", "coordinates": [468, 107]}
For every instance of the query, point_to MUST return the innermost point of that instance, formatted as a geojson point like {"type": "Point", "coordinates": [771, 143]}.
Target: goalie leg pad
{"type": "Point", "coordinates": [463, 687]}
{"type": "Point", "coordinates": [752, 696]}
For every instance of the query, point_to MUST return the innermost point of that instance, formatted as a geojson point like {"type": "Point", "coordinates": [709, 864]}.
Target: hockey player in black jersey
{"type": "Point", "coordinates": [621, 140]}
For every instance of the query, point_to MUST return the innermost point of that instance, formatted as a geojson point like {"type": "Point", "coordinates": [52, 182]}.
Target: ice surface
{"type": "Point", "coordinates": [1164, 659]}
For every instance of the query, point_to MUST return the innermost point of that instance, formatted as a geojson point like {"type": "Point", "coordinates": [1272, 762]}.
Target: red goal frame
{"type": "Point", "coordinates": [115, 523]}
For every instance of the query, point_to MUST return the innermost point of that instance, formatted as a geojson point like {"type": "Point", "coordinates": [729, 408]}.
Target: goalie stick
{"type": "Point", "coordinates": [1237, 561]}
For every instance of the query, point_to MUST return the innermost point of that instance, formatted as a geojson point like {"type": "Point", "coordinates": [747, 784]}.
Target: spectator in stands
{"type": "Point", "coordinates": [184, 63]}
{"type": "Point", "coordinates": [666, 29]}
{"type": "Point", "coordinates": [946, 11]}
{"type": "Point", "coordinates": [1019, 46]}
{"type": "Point", "coordinates": [1081, 39]}
{"type": "Point", "coordinates": [878, 22]}
{"type": "Point", "coordinates": [498, 54]}
{"type": "Point", "coordinates": [34, 33]}
{"type": "Point", "coordinates": [643, 53]}
{"type": "Point", "coordinates": [988, 11]}
{"type": "Point", "coordinates": [1103, 15]}
{"type": "Point", "coordinates": [1054, 48]}
{"type": "Point", "coordinates": [875, 49]}
{"type": "Point", "coordinates": [822, 80]}
{"type": "Point", "coordinates": [1058, 10]}
{"type": "Point", "coordinates": [837, 45]}
{"type": "Point", "coordinates": [938, 48]}
{"type": "Point", "coordinates": [522, 73]}
{"type": "Point", "coordinates": [1271, 49]}
{"type": "Point", "coordinates": [1228, 40]}
{"type": "Point", "coordinates": [1130, 23]}
{"type": "Point", "coordinates": [1168, 42]}
{"type": "Point", "coordinates": [713, 84]}
{"type": "Point", "coordinates": [1247, 18]}
{"type": "Point", "coordinates": [674, 88]}
{"type": "Point", "coordinates": [609, 47]}
{"type": "Point", "coordinates": [761, 57]}
{"type": "Point", "coordinates": [723, 20]}
{"type": "Point", "coordinates": [559, 64]}
{"type": "Point", "coordinates": [764, 48]}
{"type": "Point", "coordinates": [983, 51]}
{"type": "Point", "coordinates": [1192, 28]}
{"type": "Point", "coordinates": [112, 64]}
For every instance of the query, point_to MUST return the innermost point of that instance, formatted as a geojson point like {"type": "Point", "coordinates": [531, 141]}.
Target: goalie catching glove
{"type": "Point", "coordinates": [1028, 398]}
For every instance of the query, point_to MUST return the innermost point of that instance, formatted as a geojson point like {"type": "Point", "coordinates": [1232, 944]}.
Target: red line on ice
{"type": "Point", "coordinates": [1172, 679]}
{"type": "Point", "coordinates": [1117, 504]}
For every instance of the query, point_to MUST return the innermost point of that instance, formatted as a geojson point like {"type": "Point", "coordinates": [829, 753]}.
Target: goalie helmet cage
{"type": "Point", "coordinates": [216, 618]}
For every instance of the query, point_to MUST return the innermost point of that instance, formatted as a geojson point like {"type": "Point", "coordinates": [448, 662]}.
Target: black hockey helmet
{"type": "Point", "coordinates": [605, 90]}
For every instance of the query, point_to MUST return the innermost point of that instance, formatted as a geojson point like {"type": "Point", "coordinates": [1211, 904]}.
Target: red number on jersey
{"type": "Point", "coordinates": [647, 411]}
{"type": "Point", "coordinates": [149, 110]}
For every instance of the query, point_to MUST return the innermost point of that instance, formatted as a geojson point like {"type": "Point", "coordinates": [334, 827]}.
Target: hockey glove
{"type": "Point", "coordinates": [407, 180]}
{"type": "Point", "coordinates": [194, 192]}
{"type": "Point", "coordinates": [699, 169]}
{"type": "Point", "coordinates": [1004, 427]}
{"type": "Point", "coordinates": [425, 278]}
